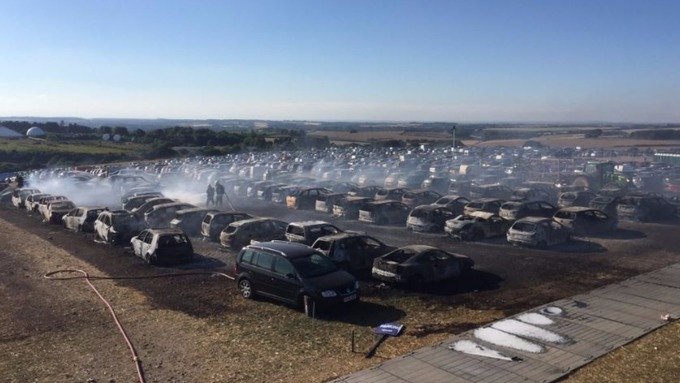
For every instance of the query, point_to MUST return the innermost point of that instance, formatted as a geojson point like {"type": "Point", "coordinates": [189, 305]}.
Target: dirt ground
{"type": "Point", "coordinates": [197, 328]}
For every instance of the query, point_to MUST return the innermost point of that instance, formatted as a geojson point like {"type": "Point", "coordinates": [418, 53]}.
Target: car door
{"type": "Point", "coordinates": [285, 281]}
{"type": "Point", "coordinates": [262, 273]}
{"type": "Point", "coordinates": [70, 219]}
{"type": "Point", "coordinates": [147, 245]}
{"type": "Point", "coordinates": [137, 242]}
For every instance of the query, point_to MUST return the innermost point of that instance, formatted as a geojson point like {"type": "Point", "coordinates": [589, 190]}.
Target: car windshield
{"type": "Point", "coordinates": [313, 265]}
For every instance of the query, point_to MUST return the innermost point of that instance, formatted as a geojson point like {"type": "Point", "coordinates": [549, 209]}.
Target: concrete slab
{"type": "Point", "coordinates": [594, 324]}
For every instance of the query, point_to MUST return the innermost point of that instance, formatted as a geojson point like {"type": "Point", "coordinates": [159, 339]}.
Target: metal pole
{"type": "Point", "coordinates": [453, 134]}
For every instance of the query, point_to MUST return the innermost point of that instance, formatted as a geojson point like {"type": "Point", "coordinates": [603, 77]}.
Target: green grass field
{"type": "Point", "coordinates": [79, 147]}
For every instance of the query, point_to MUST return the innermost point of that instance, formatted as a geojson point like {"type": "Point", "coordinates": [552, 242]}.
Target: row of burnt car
{"type": "Point", "coordinates": [168, 242]}
{"type": "Point", "coordinates": [528, 220]}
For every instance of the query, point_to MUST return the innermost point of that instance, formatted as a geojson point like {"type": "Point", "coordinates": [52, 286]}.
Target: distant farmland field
{"type": "Point", "coordinates": [555, 139]}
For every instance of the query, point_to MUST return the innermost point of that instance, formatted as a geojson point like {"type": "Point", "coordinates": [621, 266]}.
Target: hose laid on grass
{"type": "Point", "coordinates": [84, 275]}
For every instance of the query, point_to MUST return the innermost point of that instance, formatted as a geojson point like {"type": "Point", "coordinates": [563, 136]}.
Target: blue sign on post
{"type": "Point", "coordinates": [385, 330]}
{"type": "Point", "coordinates": [391, 329]}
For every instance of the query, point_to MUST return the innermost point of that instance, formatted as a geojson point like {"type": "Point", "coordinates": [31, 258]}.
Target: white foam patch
{"type": "Point", "coordinates": [500, 338]}
{"type": "Point", "coordinates": [472, 348]}
{"type": "Point", "coordinates": [526, 330]}
{"type": "Point", "coordinates": [536, 319]}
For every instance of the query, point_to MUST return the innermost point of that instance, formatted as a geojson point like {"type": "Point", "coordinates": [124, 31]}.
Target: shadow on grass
{"type": "Point", "coordinates": [621, 234]}
{"type": "Point", "coordinates": [202, 262]}
{"type": "Point", "coordinates": [579, 245]}
{"type": "Point", "coordinates": [363, 313]}
{"type": "Point", "coordinates": [472, 281]}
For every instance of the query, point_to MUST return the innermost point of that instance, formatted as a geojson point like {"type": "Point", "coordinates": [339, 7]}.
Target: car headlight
{"type": "Point", "coordinates": [329, 294]}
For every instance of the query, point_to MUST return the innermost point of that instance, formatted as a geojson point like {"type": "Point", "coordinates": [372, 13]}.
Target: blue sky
{"type": "Point", "coordinates": [476, 60]}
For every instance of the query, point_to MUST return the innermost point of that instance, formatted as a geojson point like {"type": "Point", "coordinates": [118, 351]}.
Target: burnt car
{"type": "Point", "coordinates": [390, 194]}
{"type": "Point", "coordinates": [476, 226]}
{"type": "Point", "coordinates": [214, 222]}
{"type": "Point", "coordinates": [428, 218]}
{"type": "Point", "coordinates": [576, 198]}
{"type": "Point", "coordinates": [44, 203]}
{"type": "Point", "coordinates": [584, 221]}
{"type": "Point", "coordinates": [348, 207]}
{"type": "Point", "coordinates": [495, 191]}
{"type": "Point", "coordinates": [419, 264]}
{"type": "Point", "coordinates": [295, 274]}
{"type": "Point", "coordinates": [163, 246]}
{"type": "Point", "coordinates": [537, 232]}
{"type": "Point", "coordinates": [325, 202]}
{"type": "Point", "coordinates": [514, 210]}
{"type": "Point", "coordinates": [82, 218]}
{"type": "Point", "coordinates": [352, 251]}
{"type": "Point", "coordinates": [242, 233]}
{"type": "Point", "coordinates": [149, 204]}
{"type": "Point", "coordinates": [384, 212]}
{"type": "Point", "coordinates": [190, 220]}
{"type": "Point", "coordinates": [137, 201]}
{"type": "Point", "coordinates": [280, 194]}
{"type": "Point", "coordinates": [527, 194]}
{"type": "Point", "coordinates": [31, 202]}
{"type": "Point", "coordinates": [116, 227]}
{"type": "Point", "coordinates": [365, 191]}
{"type": "Point", "coordinates": [160, 215]}
{"type": "Point", "coordinates": [19, 196]}
{"type": "Point", "coordinates": [307, 232]}
{"type": "Point", "coordinates": [265, 193]}
{"type": "Point", "coordinates": [305, 199]}
{"type": "Point", "coordinates": [54, 211]}
{"type": "Point", "coordinates": [492, 205]}
{"type": "Point", "coordinates": [420, 197]}
{"type": "Point", "coordinates": [645, 208]}
{"type": "Point", "coordinates": [453, 202]}
{"type": "Point", "coordinates": [605, 203]}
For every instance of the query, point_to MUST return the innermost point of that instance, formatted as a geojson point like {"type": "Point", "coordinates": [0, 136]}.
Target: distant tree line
{"type": "Point", "coordinates": [656, 134]}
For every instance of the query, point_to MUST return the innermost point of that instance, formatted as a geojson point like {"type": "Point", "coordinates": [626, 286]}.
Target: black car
{"type": "Point", "coordinates": [295, 274]}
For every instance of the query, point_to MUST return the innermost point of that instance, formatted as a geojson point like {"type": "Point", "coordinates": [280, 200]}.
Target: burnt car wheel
{"type": "Point", "coordinates": [245, 288]}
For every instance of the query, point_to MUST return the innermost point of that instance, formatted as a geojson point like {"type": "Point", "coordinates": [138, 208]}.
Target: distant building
{"type": "Point", "coordinates": [8, 133]}
{"type": "Point", "coordinates": [35, 132]}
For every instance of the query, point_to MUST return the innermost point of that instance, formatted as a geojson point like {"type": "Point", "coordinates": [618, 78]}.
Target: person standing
{"type": "Point", "coordinates": [211, 195]}
{"type": "Point", "coordinates": [219, 193]}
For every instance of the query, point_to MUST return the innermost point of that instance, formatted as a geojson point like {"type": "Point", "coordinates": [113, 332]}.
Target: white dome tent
{"type": "Point", "coordinates": [35, 132]}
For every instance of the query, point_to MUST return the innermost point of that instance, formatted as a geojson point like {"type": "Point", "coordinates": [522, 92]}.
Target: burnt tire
{"type": "Point", "coordinates": [245, 287]}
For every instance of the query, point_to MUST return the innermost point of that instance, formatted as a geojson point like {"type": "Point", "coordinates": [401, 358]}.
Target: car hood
{"type": "Point", "coordinates": [458, 224]}
{"type": "Point", "coordinates": [334, 280]}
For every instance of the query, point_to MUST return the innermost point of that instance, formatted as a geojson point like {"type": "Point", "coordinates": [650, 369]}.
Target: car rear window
{"type": "Point", "coordinates": [524, 226]}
